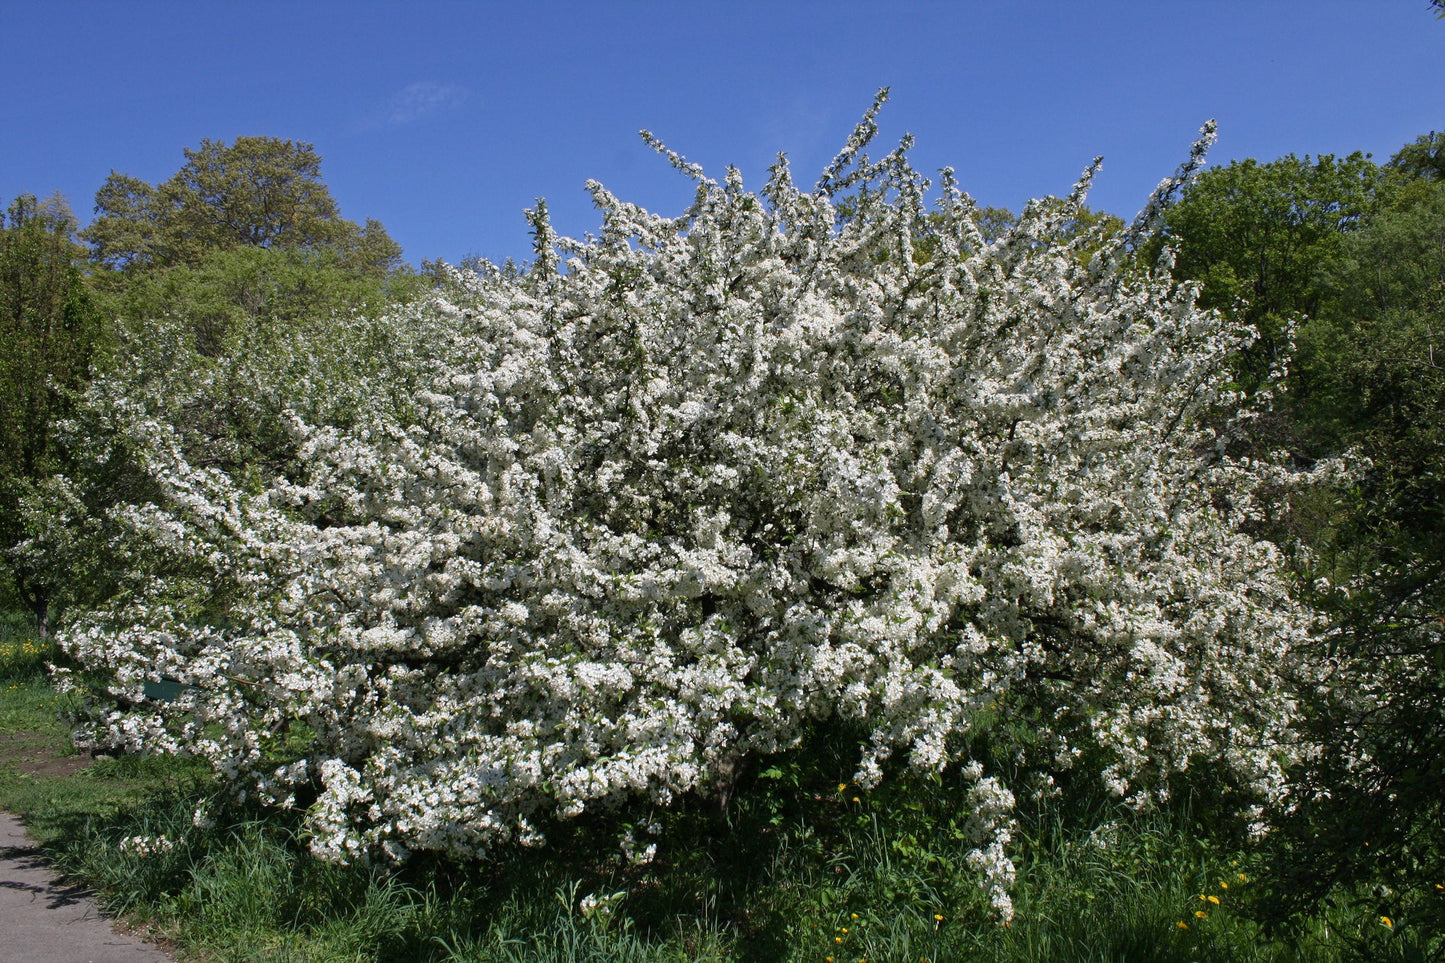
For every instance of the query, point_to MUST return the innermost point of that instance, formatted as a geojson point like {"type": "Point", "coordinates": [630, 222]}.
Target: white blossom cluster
{"type": "Point", "coordinates": [144, 846]}
{"type": "Point", "coordinates": [687, 491]}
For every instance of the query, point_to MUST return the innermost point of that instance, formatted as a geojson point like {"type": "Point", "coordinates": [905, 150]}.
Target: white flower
{"type": "Point", "coordinates": [144, 846]}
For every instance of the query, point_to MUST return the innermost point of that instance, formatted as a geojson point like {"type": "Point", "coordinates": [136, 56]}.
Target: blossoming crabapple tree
{"type": "Point", "coordinates": [684, 492]}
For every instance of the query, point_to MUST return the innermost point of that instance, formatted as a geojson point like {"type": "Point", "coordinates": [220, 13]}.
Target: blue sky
{"type": "Point", "coordinates": [445, 120]}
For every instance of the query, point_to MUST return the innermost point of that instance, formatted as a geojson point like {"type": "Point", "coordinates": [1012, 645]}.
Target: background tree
{"type": "Point", "coordinates": [51, 330]}
{"type": "Point", "coordinates": [257, 192]}
{"type": "Point", "coordinates": [1423, 158]}
{"type": "Point", "coordinates": [244, 237]}
{"type": "Point", "coordinates": [245, 232]}
{"type": "Point", "coordinates": [1375, 799]}
{"type": "Point", "coordinates": [123, 235]}
{"type": "Point", "coordinates": [1255, 235]}
{"type": "Point", "coordinates": [1352, 257]}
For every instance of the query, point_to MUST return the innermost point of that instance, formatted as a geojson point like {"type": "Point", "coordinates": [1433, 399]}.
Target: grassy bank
{"type": "Point", "coordinates": [805, 867]}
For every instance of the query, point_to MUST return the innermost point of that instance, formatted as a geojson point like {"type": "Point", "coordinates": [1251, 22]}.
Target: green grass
{"type": "Point", "coordinates": [800, 870]}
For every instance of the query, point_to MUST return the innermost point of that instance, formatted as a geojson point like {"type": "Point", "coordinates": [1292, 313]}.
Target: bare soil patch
{"type": "Point", "coordinates": [40, 754]}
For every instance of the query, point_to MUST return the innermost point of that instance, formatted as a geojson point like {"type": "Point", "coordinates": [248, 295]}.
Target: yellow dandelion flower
{"type": "Point", "coordinates": [1389, 923]}
{"type": "Point", "coordinates": [1241, 877]}
{"type": "Point", "coordinates": [853, 915]}
{"type": "Point", "coordinates": [1200, 914]}
{"type": "Point", "coordinates": [938, 917]}
{"type": "Point", "coordinates": [827, 959]}
{"type": "Point", "coordinates": [1214, 900]}
{"type": "Point", "coordinates": [855, 798]}
{"type": "Point", "coordinates": [845, 929]}
{"type": "Point", "coordinates": [837, 939]}
{"type": "Point", "coordinates": [1182, 925]}
{"type": "Point", "coordinates": [1223, 884]}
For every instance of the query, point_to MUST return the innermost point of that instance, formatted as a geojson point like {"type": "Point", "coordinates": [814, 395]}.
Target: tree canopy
{"type": "Point", "coordinates": [1255, 235]}
{"type": "Point", "coordinates": [243, 234]}
{"type": "Point", "coordinates": [242, 245]}
{"type": "Point", "coordinates": [255, 192]}
{"type": "Point", "coordinates": [1423, 158]}
{"type": "Point", "coordinates": [1376, 354]}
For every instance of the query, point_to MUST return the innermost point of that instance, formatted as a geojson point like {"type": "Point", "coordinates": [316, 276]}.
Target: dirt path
{"type": "Point", "coordinates": [45, 921]}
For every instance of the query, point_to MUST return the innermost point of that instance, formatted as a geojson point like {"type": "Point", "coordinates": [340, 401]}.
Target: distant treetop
{"type": "Point", "coordinates": [1425, 156]}
{"type": "Point", "coordinates": [256, 192]}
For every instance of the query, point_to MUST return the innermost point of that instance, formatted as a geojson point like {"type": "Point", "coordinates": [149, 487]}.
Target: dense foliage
{"type": "Point", "coordinates": [691, 492]}
{"type": "Point", "coordinates": [259, 192]}
{"type": "Point", "coordinates": [1378, 360]}
{"type": "Point", "coordinates": [242, 235]}
{"type": "Point", "coordinates": [51, 330]}
{"type": "Point", "coordinates": [1366, 302]}
{"type": "Point", "coordinates": [1254, 236]}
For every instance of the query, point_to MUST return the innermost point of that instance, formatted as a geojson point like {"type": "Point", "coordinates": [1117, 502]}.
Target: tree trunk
{"type": "Point", "coordinates": [38, 601]}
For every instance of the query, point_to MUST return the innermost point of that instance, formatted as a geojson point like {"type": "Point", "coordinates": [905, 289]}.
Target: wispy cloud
{"type": "Point", "coordinates": [415, 101]}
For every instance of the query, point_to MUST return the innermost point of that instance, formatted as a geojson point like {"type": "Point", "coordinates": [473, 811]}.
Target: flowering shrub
{"type": "Point", "coordinates": [686, 491]}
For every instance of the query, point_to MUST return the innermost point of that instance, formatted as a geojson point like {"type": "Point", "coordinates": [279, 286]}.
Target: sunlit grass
{"type": "Point", "coordinates": [24, 656]}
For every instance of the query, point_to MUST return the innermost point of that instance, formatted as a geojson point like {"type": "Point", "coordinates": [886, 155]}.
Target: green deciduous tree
{"type": "Point", "coordinates": [123, 235]}
{"type": "Point", "coordinates": [1255, 236]}
{"type": "Point", "coordinates": [1373, 357]}
{"type": "Point", "coordinates": [1423, 158]}
{"type": "Point", "coordinates": [50, 332]}
{"type": "Point", "coordinates": [1351, 258]}
{"type": "Point", "coordinates": [245, 233]}
{"type": "Point", "coordinates": [256, 192]}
